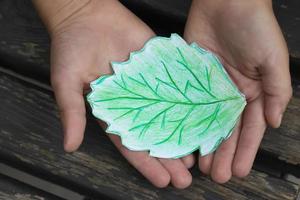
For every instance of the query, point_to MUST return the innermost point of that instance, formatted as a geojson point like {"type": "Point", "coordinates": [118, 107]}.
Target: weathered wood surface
{"type": "Point", "coordinates": [288, 16]}
{"type": "Point", "coordinates": [30, 138]}
{"type": "Point", "coordinates": [285, 141]}
{"type": "Point", "coordinates": [11, 189]}
{"type": "Point", "coordinates": [24, 43]}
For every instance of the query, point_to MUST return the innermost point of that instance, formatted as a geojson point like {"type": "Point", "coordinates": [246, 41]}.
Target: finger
{"type": "Point", "coordinates": [205, 162]}
{"type": "Point", "coordinates": [253, 128]}
{"type": "Point", "coordinates": [71, 105]}
{"type": "Point", "coordinates": [249, 87]}
{"type": "Point", "coordinates": [188, 161]}
{"type": "Point", "coordinates": [277, 87]}
{"type": "Point", "coordinates": [148, 166]}
{"type": "Point", "coordinates": [180, 176]}
{"type": "Point", "coordinates": [221, 166]}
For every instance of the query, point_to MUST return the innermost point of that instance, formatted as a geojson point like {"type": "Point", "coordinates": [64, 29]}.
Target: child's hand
{"type": "Point", "coordinates": [82, 46]}
{"type": "Point", "coordinates": [246, 36]}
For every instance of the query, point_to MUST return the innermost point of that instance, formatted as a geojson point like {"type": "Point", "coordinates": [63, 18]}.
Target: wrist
{"type": "Point", "coordinates": [55, 12]}
{"type": "Point", "coordinates": [211, 8]}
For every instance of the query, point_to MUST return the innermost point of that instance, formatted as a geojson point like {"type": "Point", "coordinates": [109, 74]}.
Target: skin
{"type": "Point", "coordinates": [246, 37]}
{"type": "Point", "coordinates": [84, 42]}
{"type": "Point", "coordinates": [81, 48]}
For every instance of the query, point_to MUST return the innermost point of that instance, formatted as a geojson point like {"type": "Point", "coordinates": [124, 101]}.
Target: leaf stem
{"type": "Point", "coordinates": [167, 101]}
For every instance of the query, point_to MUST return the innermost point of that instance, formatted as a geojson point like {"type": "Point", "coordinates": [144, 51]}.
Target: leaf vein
{"type": "Point", "coordinates": [185, 65]}
{"type": "Point", "coordinates": [174, 83]}
{"type": "Point", "coordinates": [179, 124]}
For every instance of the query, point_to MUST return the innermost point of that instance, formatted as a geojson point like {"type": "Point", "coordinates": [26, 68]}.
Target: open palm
{"type": "Point", "coordinates": [248, 40]}
{"type": "Point", "coordinates": [82, 48]}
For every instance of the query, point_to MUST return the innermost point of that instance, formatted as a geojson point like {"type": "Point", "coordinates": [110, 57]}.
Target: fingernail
{"type": "Point", "coordinates": [279, 120]}
{"type": "Point", "coordinates": [65, 143]}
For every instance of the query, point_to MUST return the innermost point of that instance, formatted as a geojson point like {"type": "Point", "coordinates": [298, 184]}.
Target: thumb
{"type": "Point", "coordinates": [277, 88]}
{"type": "Point", "coordinates": [70, 100]}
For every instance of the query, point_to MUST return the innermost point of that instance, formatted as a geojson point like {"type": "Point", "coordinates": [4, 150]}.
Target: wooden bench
{"type": "Point", "coordinates": [15, 190]}
{"type": "Point", "coordinates": [31, 140]}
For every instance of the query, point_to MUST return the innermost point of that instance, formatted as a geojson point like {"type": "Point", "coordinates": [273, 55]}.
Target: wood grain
{"type": "Point", "coordinates": [288, 16]}
{"type": "Point", "coordinates": [285, 141]}
{"type": "Point", "coordinates": [31, 140]}
{"type": "Point", "coordinates": [13, 190]}
{"type": "Point", "coordinates": [24, 42]}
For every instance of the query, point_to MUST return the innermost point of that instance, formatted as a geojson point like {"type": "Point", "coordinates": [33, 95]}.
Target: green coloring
{"type": "Point", "coordinates": [169, 98]}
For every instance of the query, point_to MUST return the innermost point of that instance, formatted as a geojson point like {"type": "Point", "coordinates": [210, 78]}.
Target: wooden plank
{"type": "Point", "coordinates": [285, 141]}
{"type": "Point", "coordinates": [15, 190]}
{"type": "Point", "coordinates": [30, 136]}
{"type": "Point", "coordinates": [288, 16]}
{"type": "Point", "coordinates": [24, 42]}
{"type": "Point", "coordinates": [35, 184]}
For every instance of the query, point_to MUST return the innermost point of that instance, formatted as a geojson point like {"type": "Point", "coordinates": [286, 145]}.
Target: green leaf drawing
{"type": "Point", "coordinates": [169, 98]}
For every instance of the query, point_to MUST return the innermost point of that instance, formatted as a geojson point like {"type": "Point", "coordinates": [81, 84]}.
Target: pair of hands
{"type": "Point", "coordinates": [246, 37]}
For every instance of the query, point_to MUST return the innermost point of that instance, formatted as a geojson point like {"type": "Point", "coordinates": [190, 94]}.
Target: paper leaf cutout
{"type": "Point", "coordinates": [170, 98]}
